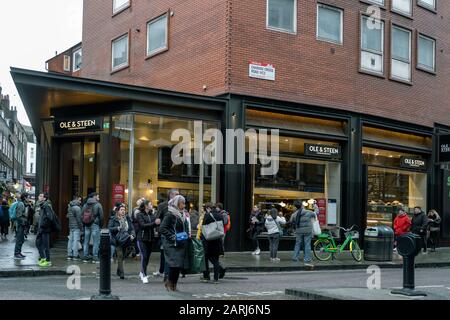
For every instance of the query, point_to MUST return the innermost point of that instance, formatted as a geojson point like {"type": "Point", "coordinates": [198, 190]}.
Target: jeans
{"type": "Point", "coordinates": [120, 259]}
{"type": "Point", "coordinates": [299, 241]}
{"type": "Point", "coordinates": [43, 245]}
{"type": "Point", "coordinates": [255, 240]}
{"type": "Point", "coordinates": [93, 230]}
{"type": "Point", "coordinates": [274, 240]}
{"type": "Point", "coordinates": [217, 267]}
{"type": "Point", "coordinates": [163, 265]}
{"type": "Point", "coordinates": [434, 236]}
{"type": "Point", "coordinates": [72, 245]}
{"type": "Point", "coordinates": [20, 238]}
{"type": "Point", "coordinates": [145, 248]}
{"type": "Point", "coordinates": [113, 251]}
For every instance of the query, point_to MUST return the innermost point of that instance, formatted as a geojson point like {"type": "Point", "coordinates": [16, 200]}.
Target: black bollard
{"type": "Point", "coordinates": [105, 268]}
{"type": "Point", "coordinates": [408, 247]}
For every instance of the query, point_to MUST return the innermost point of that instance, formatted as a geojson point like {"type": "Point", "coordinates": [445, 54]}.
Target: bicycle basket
{"type": "Point", "coordinates": [354, 234]}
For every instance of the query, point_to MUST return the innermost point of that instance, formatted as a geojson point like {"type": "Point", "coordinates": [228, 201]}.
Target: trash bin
{"type": "Point", "coordinates": [378, 243]}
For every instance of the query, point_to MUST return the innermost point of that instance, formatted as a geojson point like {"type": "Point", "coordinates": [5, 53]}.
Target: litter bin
{"type": "Point", "coordinates": [378, 243]}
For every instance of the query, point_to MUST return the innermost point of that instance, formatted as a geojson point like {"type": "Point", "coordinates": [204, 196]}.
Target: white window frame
{"type": "Point", "coordinates": [122, 7]}
{"type": "Point", "coordinates": [74, 67]}
{"type": "Point", "coordinates": [158, 50]}
{"type": "Point", "coordinates": [280, 29]}
{"type": "Point", "coordinates": [421, 66]}
{"type": "Point", "coordinates": [341, 39]}
{"type": "Point", "coordinates": [123, 65]}
{"type": "Point", "coordinates": [369, 50]}
{"type": "Point", "coordinates": [399, 59]}
{"type": "Point", "coordinates": [423, 4]}
{"type": "Point", "coordinates": [379, 3]}
{"type": "Point", "coordinates": [409, 14]}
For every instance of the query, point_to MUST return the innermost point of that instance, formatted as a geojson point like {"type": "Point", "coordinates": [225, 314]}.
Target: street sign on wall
{"type": "Point", "coordinates": [264, 71]}
{"type": "Point", "coordinates": [444, 148]}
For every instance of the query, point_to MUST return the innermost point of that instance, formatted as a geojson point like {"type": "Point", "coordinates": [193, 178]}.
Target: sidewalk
{"type": "Point", "coordinates": [233, 261]}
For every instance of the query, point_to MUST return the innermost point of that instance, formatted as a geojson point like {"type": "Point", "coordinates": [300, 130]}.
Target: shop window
{"type": "Point", "coordinates": [329, 24]}
{"type": "Point", "coordinates": [282, 15]}
{"type": "Point", "coordinates": [77, 60]}
{"type": "Point", "coordinates": [402, 6]}
{"type": "Point", "coordinates": [401, 54]}
{"type": "Point", "coordinates": [157, 35]}
{"type": "Point", "coordinates": [372, 44]}
{"type": "Point", "coordinates": [119, 5]}
{"type": "Point", "coordinates": [426, 55]}
{"type": "Point", "coordinates": [120, 52]}
{"type": "Point", "coordinates": [377, 135]}
{"type": "Point", "coordinates": [429, 4]}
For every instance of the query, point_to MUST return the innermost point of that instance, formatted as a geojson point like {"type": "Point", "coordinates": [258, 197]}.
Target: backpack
{"type": "Point", "coordinates": [55, 224]}
{"type": "Point", "coordinates": [88, 215]}
{"type": "Point", "coordinates": [12, 211]}
{"type": "Point", "coordinates": [227, 227]}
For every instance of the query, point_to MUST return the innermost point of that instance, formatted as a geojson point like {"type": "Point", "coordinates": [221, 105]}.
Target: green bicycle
{"type": "Point", "coordinates": [325, 247]}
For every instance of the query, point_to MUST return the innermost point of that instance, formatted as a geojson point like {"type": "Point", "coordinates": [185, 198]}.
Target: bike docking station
{"type": "Point", "coordinates": [105, 268]}
{"type": "Point", "coordinates": [409, 246]}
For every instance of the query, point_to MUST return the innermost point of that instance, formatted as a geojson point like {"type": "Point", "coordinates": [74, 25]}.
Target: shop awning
{"type": "Point", "coordinates": [41, 92]}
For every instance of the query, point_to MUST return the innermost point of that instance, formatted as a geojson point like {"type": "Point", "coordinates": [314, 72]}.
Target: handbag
{"type": "Point", "coordinates": [122, 238]}
{"type": "Point", "coordinates": [214, 230]}
{"type": "Point", "coordinates": [316, 226]}
{"type": "Point", "coordinates": [280, 230]}
{"type": "Point", "coordinates": [180, 236]}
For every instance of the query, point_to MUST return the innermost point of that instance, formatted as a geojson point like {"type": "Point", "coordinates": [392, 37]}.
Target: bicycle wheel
{"type": "Point", "coordinates": [355, 250]}
{"type": "Point", "coordinates": [321, 250]}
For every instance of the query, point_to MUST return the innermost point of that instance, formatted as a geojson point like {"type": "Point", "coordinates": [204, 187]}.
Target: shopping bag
{"type": "Point", "coordinates": [316, 226]}
{"type": "Point", "coordinates": [197, 256]}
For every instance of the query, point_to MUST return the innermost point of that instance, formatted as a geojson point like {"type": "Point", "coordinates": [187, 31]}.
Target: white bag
{"type": "Point", "coordinates": [316, 226]}
{"type": "Point", "coordinates": [214, 230]}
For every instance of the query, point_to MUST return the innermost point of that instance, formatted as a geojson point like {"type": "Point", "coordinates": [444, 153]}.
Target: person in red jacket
{"type": "Point", "coordinates": [402, 224]}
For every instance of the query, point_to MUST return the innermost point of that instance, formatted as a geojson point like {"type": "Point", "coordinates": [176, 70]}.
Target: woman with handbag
{"type": "Point", "coordinates": [212, 242]}
{"type": "Point", "coordinates": [122, 234]}
{"type": "Point", "coordinates": [275, 232]}
{"type": "Point", "coordinates": [175, 230]}
{"type": "Point", "coordinates": [434, 221]}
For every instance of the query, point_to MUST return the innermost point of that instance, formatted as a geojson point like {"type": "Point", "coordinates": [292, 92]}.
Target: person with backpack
{"type": "Point", "coordinates": [75, 227]}
{"type": "Point", "coordinates": [273, 225]}
{"type": "Point", "coordinates": [92, 218]}
{"type": "Point", "coordinates": [21, 220]}
{"type": "Point", "coordinates": [145, 233]}
{"type": "Point", "coordinates": [4, 220]}
{"type": "Point", "coordinates": [303, 231]}
{"type": "Point", "coordinates": [226, 220]}
{"type": "Point", "coordinates": [48, 222]}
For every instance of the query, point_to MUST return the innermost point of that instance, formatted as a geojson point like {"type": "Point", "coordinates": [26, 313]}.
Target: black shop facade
{"type": "Point", "coordinates": [115, 139]}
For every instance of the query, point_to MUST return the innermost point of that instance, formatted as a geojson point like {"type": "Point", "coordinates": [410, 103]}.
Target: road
{"type": "Point", "coordinates": [242, 286]}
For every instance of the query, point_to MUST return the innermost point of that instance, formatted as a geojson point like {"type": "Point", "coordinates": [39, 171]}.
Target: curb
{"type": "Point", "coordinates": [31, 273]}
{"type": "Point", "coordinates": [311, 295]}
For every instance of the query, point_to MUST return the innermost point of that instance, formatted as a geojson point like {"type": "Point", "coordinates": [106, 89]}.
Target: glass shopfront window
{"type": "Point", "coordinates": [300, 178]}
{"type": "Point", "coordinates": [390, 189]}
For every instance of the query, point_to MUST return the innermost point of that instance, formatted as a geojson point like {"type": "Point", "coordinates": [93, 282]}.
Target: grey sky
{"type": "Point", "coordinates": [30, 33]}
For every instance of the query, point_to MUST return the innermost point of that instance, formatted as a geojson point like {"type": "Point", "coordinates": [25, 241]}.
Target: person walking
{"type": "Point", "coordinates": [21, 226]}
{"type": "Point", "coordinates": [92, 217]}
{"type": "Point", "coordinates": [111, 216]}
{"type": "Point", "coordinates": [175, 229]}
{"type": "Point", "coordinates": [419, 226]}
{"type": "Point", "coordinates": [75, 228]}
{"type": "Point", "coordinates": [434, 222]}
{"type": "Point", "coordinates": [162, 211]}
{"type": "Point", "coordinates": [256, 227]}
{"type": "Point", "coordinates": [45, 226]}
{"type": "Point", "coordinates": [122, 234]}
{"type": "Point", "coordinates": [4, 220]}
{"type": "Point", "coordinates": [213, 248]}
{"type": "Point", "coordinates": [184, 270]}
{"type": "Point", "coordinates": [37, 209]}
{"type": "Point", "coordinates": [145, 234]}
{"type": "Point", "coordinates": [303, 232]}
{"type": "Point", "coordinates": [273, 225]}
{"type": "Point", "coordinates": [402, 225]}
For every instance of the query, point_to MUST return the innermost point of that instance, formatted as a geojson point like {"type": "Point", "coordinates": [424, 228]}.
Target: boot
{"type": "Point", "coordinates": [174, 287]}
{"type": "Point", "coordinates": [168, 285]}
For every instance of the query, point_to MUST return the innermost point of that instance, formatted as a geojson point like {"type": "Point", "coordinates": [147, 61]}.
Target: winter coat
{"type": "Point", "coordinates": [419, 223]}
{"type": "Point", "coordinates": [257, 227]}
{"type": "Point", "coordinates": [272, 224]}
{"type": "Point", "coordinates": [21, 213]}
{"type": "Point", "coordinates": [97, 211]}
{"type": "Point", "coordinates": [303, 223]}
{"type": "Point", "coordinates": [402, 224]}
{"type": "Point", "coordinates": [114, 224]}
{"type": "Point", "coordinates": [146, 226]}
{"type": "Point", "coordinates": [195, 220]}
{"type": "Point", "coordinates": [212, 248]}
{"type": "Point", "coordinates": [5, 218]}
{"type": "Point", "coordinates": [45, 218]}
{"type": "Point", "coordinates": [174, 251]}
{"type": "Point", "coordinates": [434, 222]}
{"type": "Point", "coordinates": [74, 215]}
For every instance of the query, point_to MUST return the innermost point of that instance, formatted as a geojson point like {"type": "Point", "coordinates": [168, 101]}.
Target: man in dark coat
{"type": "Point", "coordinates": [419, 225]}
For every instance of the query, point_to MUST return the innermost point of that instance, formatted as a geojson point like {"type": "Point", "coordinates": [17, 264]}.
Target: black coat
{"type": "Point", "coordinates": [213, 248]}
{"type": "Point", "coordinates": [113, 226]}
{"type": "Point", "coordinates": [419, 223]}
{"type": "Point", "coordinates": [257, 227]}
{"type": "Point", "coordinates": [174, 252]}
{"type": "Point", "coordinates": [5, 218]}
{"type": "Point", "coordinates": [146, 226]}
{"type": "Point", "coordinates": [45, 218]}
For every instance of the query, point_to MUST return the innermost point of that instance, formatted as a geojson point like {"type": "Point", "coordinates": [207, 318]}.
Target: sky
{"type": "Point", "coordinates": [31, 32]}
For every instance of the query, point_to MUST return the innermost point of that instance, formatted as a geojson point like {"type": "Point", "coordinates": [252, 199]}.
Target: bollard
{"type": "Point", "coordinates": [408, 247]}
{"type": "Point", "coordinates": [105, 268]}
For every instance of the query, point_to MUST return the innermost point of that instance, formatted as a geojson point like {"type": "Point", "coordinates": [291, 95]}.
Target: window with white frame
{"type": "Point", "coordinates": [426, 53]}
{"type": "Point", "coordinates": [402, 6]}
{"type": "Point", "coordinates": [120, 4]}
{"type": "Point", "coordinates": [329, 23]}
{"type": "Point", "coordinates": [157, 35]}
{"type": "Point", "coordinates": [401, 53]}
{"type": "Point", "coordinates": [431, 4]}
{"type": "Point", "coordinates": [372, 44]}
{"type": "Point", "coordinates": [66, 63]}
{"type": "Point", "coordinates": [77, 59]}
{"type": "Point", "coordinates": [120, 52]}
{"type": "Point", "coordinates": [379, 2]}
{"type": "Point", "coordinates": [282, 15]}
